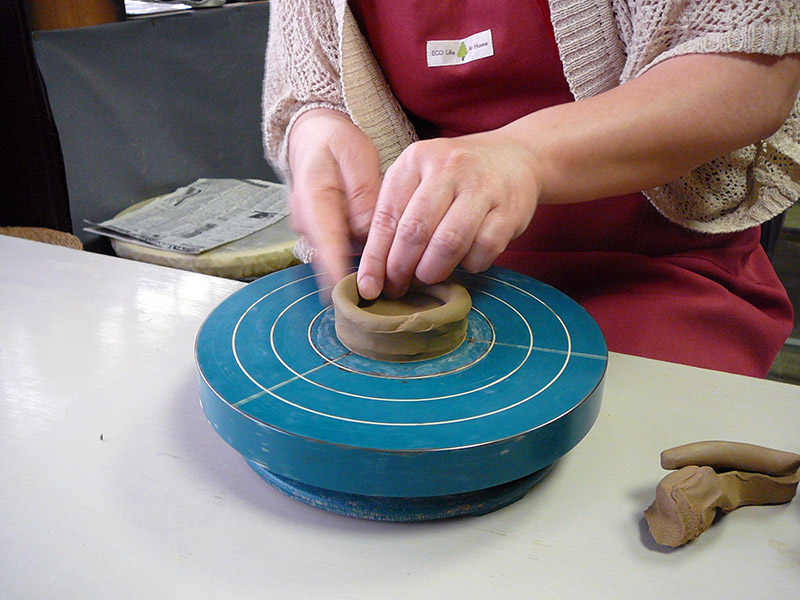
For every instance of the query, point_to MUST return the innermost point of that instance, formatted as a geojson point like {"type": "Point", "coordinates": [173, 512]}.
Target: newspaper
{"type": "Point", "coordinates": [201, 216]}
{"type": "Point", "coordinates": [140, 8]}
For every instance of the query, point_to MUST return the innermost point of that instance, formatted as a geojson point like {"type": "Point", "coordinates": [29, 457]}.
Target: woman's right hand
{"type": "Point", "coordinates": [336, 176]}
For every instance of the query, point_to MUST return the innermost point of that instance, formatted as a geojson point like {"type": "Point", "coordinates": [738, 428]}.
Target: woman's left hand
{"type": "Point", "coordinates": [446, 201]}
{"type": "Point", "coordinates": [443, 202]}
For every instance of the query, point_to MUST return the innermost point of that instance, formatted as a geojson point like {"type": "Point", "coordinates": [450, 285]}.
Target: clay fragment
{"type": "Point", "coordinates": [688, 499]}
{"type": "Point", "coordinates": [428, 321]}
{"type": "Point", "coordinates": [722, 456]}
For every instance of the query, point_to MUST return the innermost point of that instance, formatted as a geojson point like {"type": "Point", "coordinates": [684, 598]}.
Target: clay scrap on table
{"type": "Point", "coordinates": [714, 476]}
{"type": "Point", "coordinates": [428, 321]}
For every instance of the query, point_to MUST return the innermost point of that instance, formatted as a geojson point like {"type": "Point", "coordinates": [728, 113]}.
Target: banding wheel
{"type": "Point", "coordinates": [475, 427]}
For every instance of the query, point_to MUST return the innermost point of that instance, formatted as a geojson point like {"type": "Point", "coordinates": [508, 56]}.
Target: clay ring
{"type": "Point", "coordinates": [429, 321]}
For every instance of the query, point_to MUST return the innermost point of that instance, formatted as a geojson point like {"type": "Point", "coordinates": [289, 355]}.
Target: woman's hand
{"type": "Point", "coordinates": [461, 200]}
{"type": "Point", "coordinates": [443, 202]}
{"type": "Point", "coordinates": [335, 181]}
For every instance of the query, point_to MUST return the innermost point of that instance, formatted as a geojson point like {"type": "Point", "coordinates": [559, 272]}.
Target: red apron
{"type": "Point", "coordinates": [656, 289]}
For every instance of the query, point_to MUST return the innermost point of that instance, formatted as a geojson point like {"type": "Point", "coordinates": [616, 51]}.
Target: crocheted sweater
{"type": "Point", "coordinates": [317, 57]}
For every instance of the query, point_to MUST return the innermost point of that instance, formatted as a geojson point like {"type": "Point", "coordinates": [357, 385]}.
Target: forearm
{"type": "Point", "coordinates": [301, 33]}
{"type": "Point", "coordinates": [653, 129]}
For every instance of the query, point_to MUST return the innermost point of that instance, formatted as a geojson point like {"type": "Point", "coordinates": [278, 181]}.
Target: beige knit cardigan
{"type": "Point", "coordinates": [317, 57]}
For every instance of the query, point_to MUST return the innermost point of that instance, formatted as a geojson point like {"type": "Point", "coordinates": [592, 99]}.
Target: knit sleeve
{"type": "Point", "coordinates": [301, 70]}
{"type": "Point", "coordinates": [753, 184]}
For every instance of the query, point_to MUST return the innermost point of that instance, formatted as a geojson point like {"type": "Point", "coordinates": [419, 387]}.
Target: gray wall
{"type": "Point", "coordinates": [145, 106]}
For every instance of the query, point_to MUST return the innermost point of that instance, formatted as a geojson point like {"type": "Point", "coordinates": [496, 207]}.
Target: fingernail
{"type": "Point", "coordinates": [368, 288]}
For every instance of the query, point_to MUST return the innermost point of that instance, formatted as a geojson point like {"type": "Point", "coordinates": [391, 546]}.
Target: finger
{"type": "Point", "coordinates": [361, 205]}
{"type": "Point", "coordinates": [496, 230]}
{"type": "Point", "coordinates": [417, 225]}
{"type": "Point", "coordinates": [395, 192]}
{"type": "Point", "coordinates": [360, 171]}
{"type": "Point", "coordinates": [452, 240]}
{"type": "Point", "coordinates": [325, 225]}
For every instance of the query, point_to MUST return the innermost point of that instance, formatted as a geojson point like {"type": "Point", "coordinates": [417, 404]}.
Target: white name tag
{"type": "Point", "coordinates": [444, 53]}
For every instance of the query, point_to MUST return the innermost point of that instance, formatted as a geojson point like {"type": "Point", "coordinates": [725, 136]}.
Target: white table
{"type": "Point", "coordinates": [113, 485]}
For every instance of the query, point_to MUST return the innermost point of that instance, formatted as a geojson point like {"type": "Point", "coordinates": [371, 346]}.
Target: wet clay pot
{"type": "Point", "coordinates": [428, 321]}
